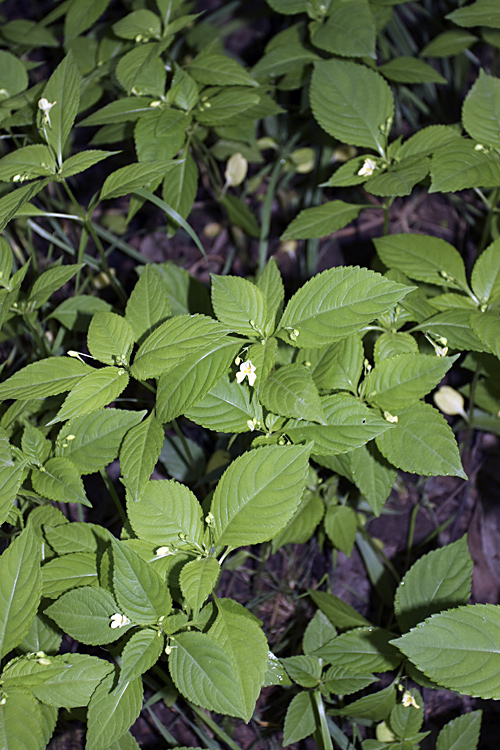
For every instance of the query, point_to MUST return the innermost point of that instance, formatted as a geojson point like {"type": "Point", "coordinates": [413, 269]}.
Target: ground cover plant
{"type": "Point", "coordinates": [166, 437]}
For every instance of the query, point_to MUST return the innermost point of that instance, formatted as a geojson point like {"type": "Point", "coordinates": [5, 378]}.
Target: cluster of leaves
{"type": "Point", "coordinates": [333, 379]}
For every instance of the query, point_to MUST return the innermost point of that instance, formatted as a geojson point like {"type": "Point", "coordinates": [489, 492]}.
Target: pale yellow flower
{"type": "Point", "coordinates": [368, 168]}
{"type": "Point", "coordinates": [119, 621]}
{"type": "Point", "coordinates": [247, 370]}
{"type": "Point", "coordinates": [409, 700]}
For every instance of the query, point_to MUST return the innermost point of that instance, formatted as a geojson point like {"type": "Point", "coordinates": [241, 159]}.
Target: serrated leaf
{"type": "Point", "coordinates": [197, 581]}
{"type": "Point", "coordinates": [47, 377]}
{"type": "Point", "coordinates": [139, 454]}
{"type": "Point", "coordinates": [160, 135]}
{"type": "Point", "coordinates": [95, 390]}
{"type": "Point", "coordinates": [339, 613]}
{"type": "Point", "coordinates": [487, 327]}
{"type": "Point", "coordinates": [246, 644]}
{"type": "Point", "coordinates": [112, 711]}
{"type": "Point", "coordinates": [76, 312]}
{"type": "Point", "coordinates": [96, 437]}
{"type": "Point", "coordinates": [215, 69]}
{"type": "Point", "coordinates": [290, 391]}
{"type": "Point", "coordinates": [372, 474]}
{"type": "Point", "coordinates": [288, 7]}
{"type": "Point", "coordinates": [375, 707]}
{"type": "Point", "coordinates": [317, 633]}
{"type": "Point", "coordinates": [85, 614]}
{"type": "Point", "coordinates": [173, 341]}
{"type": "Point", "coordinates": [422, 443]}
{"type": "Point", "coordinates": [481, 110]}
{"type": "Point", "coordinates": [129, 108]}
{"type": "Point", "coordinates": [42, 636]}
{"type": "Point", "coordinates": [82, 161]}
{"type": "Point", "coordinates": [321, 220]}
{"type": "Point", "coordinates": [398, 381]}
{"type": "Point", "coordinates": [349, 29]}
{"type": "Point", "coordinates": [14, 77]}
{"type": "Point", "coordinates": [258, 494]}
{"type": "Point", "coordinates": [11, 479]}
{"type": "Point", "coordinates": [336, 367]}
{"type": "Point", "coordinates": [439, 580]}
{"type": "Point", "coordinates": [141, 71]}
{"type": "Point", "coordinates": [460, 165]}
{"type": "Point", "coordinates": [11, 203]}
{"type": "Point", "coordinates": [185, 384]}
{"type": "Point", "coordinates": [341, 525]}
{"type": "Point", "coordinates": [302, 524]}
{"type": "Point", "coordinates": [390, 343]}
{"type": "Point", "coordinates": [60, 480]}
{"type": "Point", "coordinates": [110, 338]}
{"type": "Point", "coordinates": [140, 591]}
{"type": "Point", "coordinates": [349, 424]}
{"type": "Point", "coordinates": [462, 733]}
{"type": "Point", "coordinates": [271, 285]}
{"type": "Point", "coordinates": [485, 278]}
{"type": "Point", "coordinates": [180, 186]}
{"type": "Point", "coordinates": [424, 258]}
{"type": "Point", "coordinates": [304, 670]}
{"type": "Point", "coordinates": [139, 22]}
{"type": "Point", "coordinates": [300, 719]}
{"type": "Point", "coordinates": [237, 303]}
{"type": "Point", "coordinates": [275, 674]}
{"type": "Point", "coordinates": [141, 653]}
{"type": "Point", "coordinates": [454, 325]}
{"type": "Point", "coordinates": [481, 13]}
{"type": "Point", "coordinates": [166, 511]}
{"type": "Point", "coordinates": [351, 102]}
{"type": "Point", "coordinates": [26, 163]}
{"type": "Point", "coordinates": [342, 681]}
{"type": "Point", "coordinates": [225, 408]}
{"type": "Point", "coordinates": [20, 589]}
{"type": "Point", "coordinates": [128, 179]}
{"type": "Point", "coordinates": [427, 140]}
{"type": "Point", "coordinates": [148, 304]}
{"type": "Point", "coordinates": [363, 650]}
{"type": "Point", "coordinates": [67, 572]}
{"type": "Point", "coordinates": [400, 179]}
{"type": "Point", "coordinates": [458, 649]}
{"type": "Point", "coordinates": [203, 672]}
{"type": "Point", "coordinates": [336, 303]}
{"type": "Point", "coordinates": [20, 722]}
{"type": "Point", "coordinates": [240, 215]}
{"type": "Point", "coordinates": [81, 17]}
{"type": "Point", "coordinates": [410, 70]}
{"type": "Point", "coordinates": [63, 92]}
{"type": "Point", "coordinates": [448, 43]}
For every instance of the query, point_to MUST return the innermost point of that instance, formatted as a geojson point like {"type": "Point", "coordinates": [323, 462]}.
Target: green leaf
{"type": "Point", "coordinates": [458, 649]}
{"type": "Point", "coordinates": [141, 653]}
{"type": "Point", "coordinates": [95, 390]}
{"type": "Point", "coordinates": [20, 589]}
{"type": "Point", "coordinates": [352, 103]}
{"type": "Point", "coordinates": [76, 312]}
{"type": "Point", "coordinates": [245, 643]}
{"type": "Point", "coordinates": [288, 7]}
{"type": "Point", "coordinates": [96, 437]}
{"type": "Point", "coordinates": [160, 135]}
{"type": "Point", "coordinates": [485, 278]}
{"type": "Point", "coordinates": [141, 71]}
{"type": "Point", "coordinates": [487, 327]}
{"type": "Point", "coordinates": [148, 304]}
{"type": "Point", "coordinates": [21, 722]}
{"type": "Point", "coordinates": [460, 165]}
{"type": "Point", "coordinates": [49, 282]}
{"type": "Point", "coordinates": [410, 70]}
{"type": "Point", "coordinates": [349, 424]}
{"type": "Point", "coordinates": [439, 580]}
{"type": "Point", "coordinates": [47, 377]}
{"type": "Point", "coordinates": [318, 632]}
{"type": "Point", "coordinates": [240, 215]}
{"type": "Point", "coordinates": [349, 29]}
{"type": "Point", "coordinates": [204, 673]}
{"type": "Point", "coordinates": [321, 220]}
{"type": "Point", "coordinates": [462, 733]}
{"type": "Point", "coordinates": [390, 343]}
{"type": "Point", "coordinates": [372, 474]}
{"type": "Point", "coordinates": [173, 341]}
{"type": "Point", "coordinates": [141, 23]}
{"type": "Point", "coordinates": [338, 612]}
{"type": "Point", "coordinates": [82, 161]}
{"type": "Point", "coordinates": [454, 326]}
{"type": "Point", "coordinates": [130, 108]}
{"type": "Point", "coordinates": [422, 443]}
{"type": "Point", "coordinates": [362, 650]}
{"type": "Point", "coordinates": [406, 720]}
{"type": "Point", "coordinates": [240, 305]}
{"type": "Point", "coordinates": [110, 338]}
{"type": "Point", "coordinates": [112, 711]}
{"type": "Point", "coordinates": [480, 13]}
{"type": "Point", "coordinates": [224, 104]}
{"type": "Point", "coordinates": [427, 140]}
{"type": "Point", "coordinates": [342, 681]}
{"type": "Point", "coordinates": [139, 590]}
{"type": "Point", "coordinates": [270, 284]}
{"type": "Point", "coordinates": [375, 707]}
{"type": "Point", "coordinates": [75, 537]}
{"type": "Point", "coordinates": [481, 110]}
{"type": "Point", "coordinates": [302, 524]}
{"type": "Point", "coordinates": [304, 670]}
{"type": "Point", "coordinates": [336, 367]}
{"type": "Point", "coordinates": [128, 179]}
{"type": "Point", "coordinates": [186, 294]}
{"type": "Point", "coordinates": [184, 385]}
{"type": "Point", "coordinates": [225, 408]}
{"type": "Point", "coordinates": [300, 719]}
{"type": "Point", "coordinates": [336, 303]}
{"type": "Point", "coordinates": [139, 454]}
{"type": "Point", "coordinates": [167, 513]}
{"type": "Point", "coordinates": [12, 202]}
{"type": "Point", "coordinates": [63, 93]}
{"type": "Point", "coordinates": [27, 163]}
{"type": "Point", "coordinates": [60, 480]}
{"type": "Point", "coordinates": [424, 258]}
{"type": "Point", "coordinates": [183, 459]}
{"type": "Point", "coordinates": [14, 77]}
{"type": "Point", "coordinates": [10, 482]}
{"type": "Point", "coordinates": [67, 572]}
{"type": "Point", "coordinates": [275, 674]}
{"type": "Point", "coordinates": [214, 69]}
{"type": "Point", "coordinates": [85, 615]}
{"type": "Point", "coordinates": [448, 44]}
{"type": "Point", "coordinates": [197, 580]}
{"type": "Point", "coordinates": [258, 494]}
{"type": "Point", "coordinates": [291, 392]}
{"type": "Point", "coordinates": [180, 186]}
{"type": "Point", "coordinates": [398, 381]}
{"type": "Point", "coordinates": [341, 525]}
{"type": "Point", "coordinates": [400, 178]}
{"type": "Point", "coordinates": [80, 17]}
{"type": "Point", "coordinates": [284, 58]}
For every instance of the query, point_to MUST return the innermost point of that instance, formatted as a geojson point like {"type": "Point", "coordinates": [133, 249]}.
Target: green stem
{"type": "Point", "coordinates": [486, 233]}
{"type": "Point", "coordinates": [323, 725]}
{"type": "Point", "coordinates": [387, 206]}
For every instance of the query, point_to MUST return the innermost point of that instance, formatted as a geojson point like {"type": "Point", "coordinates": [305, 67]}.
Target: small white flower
{"type": "Point", "coordinates": [163, 552]}
{"type": "Point", "coordinates": [247, 370]}
{"type": "Point", "coordinates": [368, 168]}
{"type": "Point", "coordinates": [45, 106]}
{"type": "Point", "coordinates": [409, 700]}
{"type": "Point", "coordinates": [119, 621]}
{"type": "Point", "coordinates": [390, 417]}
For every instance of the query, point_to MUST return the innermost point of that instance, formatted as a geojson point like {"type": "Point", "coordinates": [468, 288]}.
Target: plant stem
{"type": "Point", "coordinates": [323, 726]}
